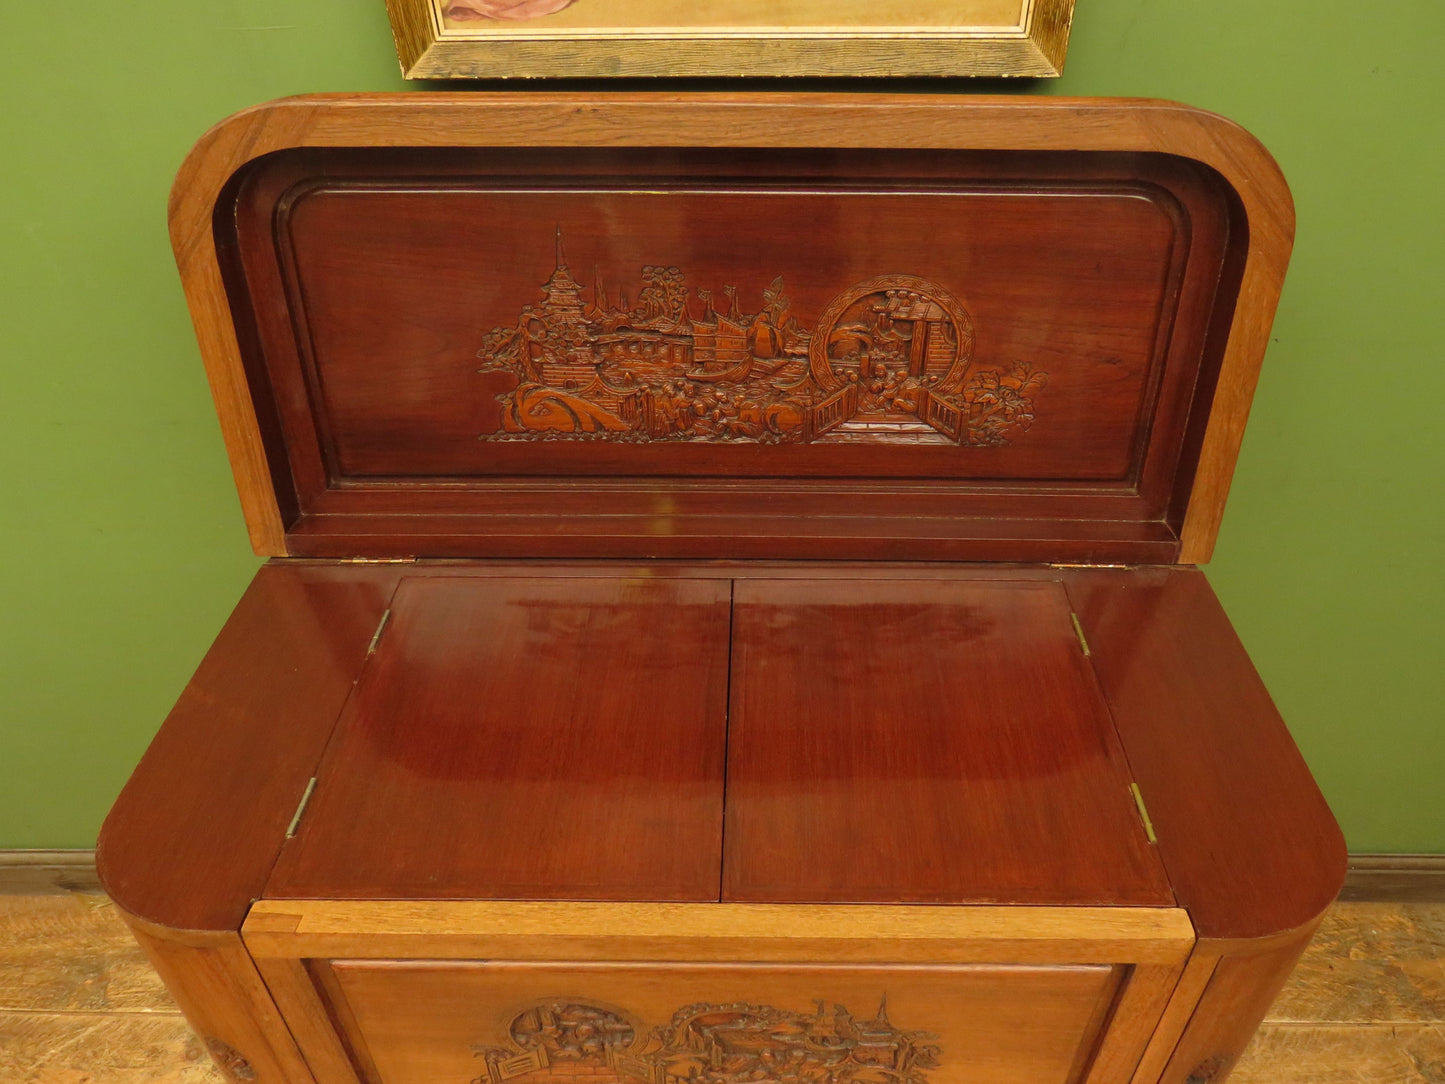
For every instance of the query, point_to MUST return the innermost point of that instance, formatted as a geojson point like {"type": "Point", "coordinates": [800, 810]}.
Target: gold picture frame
{"type": "Point", "coordinates": [478, 39]}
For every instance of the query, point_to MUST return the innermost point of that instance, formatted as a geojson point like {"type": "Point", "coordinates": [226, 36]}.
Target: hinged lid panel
{"type": "Point", "coordinates": [740, 326]}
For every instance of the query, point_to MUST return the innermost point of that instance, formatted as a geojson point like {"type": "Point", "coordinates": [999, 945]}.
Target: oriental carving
{"type": "Point", "coordinates": [232, 1064]}
{"type": "Point", "coordinates": [889, 361]}
{"type": "Point", "coordinates": [565, 1032]}
{"type": "Point", "coordinates": [563, 1041]}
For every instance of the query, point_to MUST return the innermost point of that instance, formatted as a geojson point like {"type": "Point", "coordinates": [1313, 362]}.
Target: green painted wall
{"type": "Point", "coordinates": [123, 547]}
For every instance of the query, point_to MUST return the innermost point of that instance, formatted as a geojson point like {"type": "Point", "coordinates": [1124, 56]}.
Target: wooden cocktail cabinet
{"type": "Point", "coordinates": [732, 613]}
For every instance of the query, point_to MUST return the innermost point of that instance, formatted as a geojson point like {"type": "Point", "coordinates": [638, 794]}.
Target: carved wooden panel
{"type": "Point", "coordinates": [520, 1023]}
{"type": "Point", "coordinates": [591, 333]}
{"type": "Point", "coordinates": [838, 316]}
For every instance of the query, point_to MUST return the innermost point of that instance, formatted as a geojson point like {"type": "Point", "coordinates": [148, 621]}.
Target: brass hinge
{"type": "Point", "coordinates": [1143, 812]}
{"type": "Point", "coordinates": [378, 560]}
{"type": "Point", "coordinates": [300, 808]}
{"type": "Point", "coordinates": [1079, 632]}
{"type": "Point", "coordinates": [1066, 564]}
{"type": "Point", "coordinates": [376, 636]}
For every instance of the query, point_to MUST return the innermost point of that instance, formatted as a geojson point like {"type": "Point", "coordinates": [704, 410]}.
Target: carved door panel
{"type": "Point", "coordinates": [652, 1023]}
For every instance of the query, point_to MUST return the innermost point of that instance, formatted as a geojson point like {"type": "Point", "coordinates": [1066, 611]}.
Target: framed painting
{"type": "Point", "coordinates": [477, 39]}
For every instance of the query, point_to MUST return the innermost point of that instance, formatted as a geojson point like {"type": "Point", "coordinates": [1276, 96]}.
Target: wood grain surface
{"type": "Point", "coordinates": [885, 744]}
{"type": "Point", "coordinates": [81, 1048]}
{"type": "Point", "coordinates": [553, 739]}
{"type": "Point", "coordinates": [192, 838]}
{"type": "Point", "coordinates": [1395, 878]}
{"type": "Point", "coordinates": [254, 722]}
{"type": "Point", "coordinates": [64, 952]}
{"type": "Point", "coordinates": [1250, 845]}
{"type": "Point", "coordinates": [424, 1022]}
{"type": "Point", "coordinates": [572, 737]}
{"type": "Point", "coordinates": [1370, 963]}
{"type": "Point", "coordinates": [1223, 995]}
{"type": "Point", "coordinates": [224, 998]}
{"type": "Point", "coordinates": [79, 1002]}
{"type": "Point", "coordinates": [788, 933]}
{"type": "Point", "coordinates": [1399, 1054]}
{"type": "Point", "coordinates": [1192, 445]}
{"type": "Point", "coordinates": [1077, 274]}
{"type": "Point", "coordinates": [32, 872]}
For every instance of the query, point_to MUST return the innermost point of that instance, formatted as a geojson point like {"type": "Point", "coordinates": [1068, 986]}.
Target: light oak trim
{"type": "Point", "coordinates": [1127, 1033]}
{"type": "Point", "coordinates": [1033, 45]}
{"type": "Point", "coordinates": [1177, 1011]}
{"type": "Point", "coordinates": [308, 1019]}
{"type": "Point", "coordinates": [467, 929]}
{"type": "Point", "coordinates": [735, 120]}
{"type": "Point", "coordinates": [191, 206]}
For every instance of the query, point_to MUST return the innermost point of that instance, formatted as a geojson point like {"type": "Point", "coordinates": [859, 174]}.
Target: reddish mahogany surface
{"type": "Point", "coordinates": [1249, 843]}
{"type": "Point", "coordinates": [658, 530]}
{"type": "Point", "coordinates": [527, 729]}
{"type": "Point", "coordinates": [192, 837]}
{"type": "Point", "coordinates": [364, 284]}
{"type": "Point", "coordinates": [1044, 275]}
{"type": "Point", "coordinates": [516, 738]}
{"type": "Point", "coordinates": [929, 741]}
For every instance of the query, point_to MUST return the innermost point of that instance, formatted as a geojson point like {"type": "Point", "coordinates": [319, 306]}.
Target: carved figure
{"type": "Point", "coordinates": [889, 362]}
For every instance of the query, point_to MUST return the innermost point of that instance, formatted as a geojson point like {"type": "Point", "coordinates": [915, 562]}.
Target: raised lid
{"type": "Point", "coordinates": [732, 326]}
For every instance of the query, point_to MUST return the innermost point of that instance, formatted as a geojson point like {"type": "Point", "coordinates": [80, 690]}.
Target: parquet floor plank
{"type": "Point", "coordinates": [1371, 963]}
{"type": "Point", "coordinates": [101, 1048]}
{"type": "Point", "coordinates": [71, 952]}
{"type": "Point", "coordinates": [1344, 1054]}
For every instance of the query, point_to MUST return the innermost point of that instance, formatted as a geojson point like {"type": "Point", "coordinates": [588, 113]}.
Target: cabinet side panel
{"type": "Point", "coordinates": [1243, 983]}
{"type": "Point", "coordinates": [215, 983]}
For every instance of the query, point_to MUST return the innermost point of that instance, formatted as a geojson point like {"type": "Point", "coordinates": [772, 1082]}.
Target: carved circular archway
{"type": "Point", "coordinates": [854, 318]}
{"type": "Point", "coordinates": [573, 1030]}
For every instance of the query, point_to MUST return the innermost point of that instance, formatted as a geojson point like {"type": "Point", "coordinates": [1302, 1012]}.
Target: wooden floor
{"type": "Point", "coordinates": [79, 1005]}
